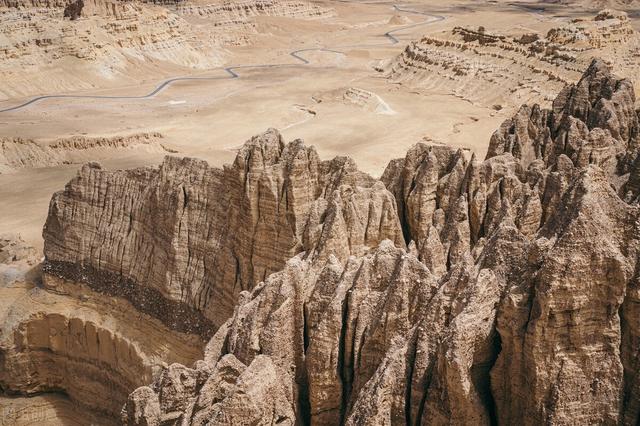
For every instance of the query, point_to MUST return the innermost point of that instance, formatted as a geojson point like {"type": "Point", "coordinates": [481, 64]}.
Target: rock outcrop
{"type": "Point", "coordinates": [515, 300]}
{"type": "Point", "coordinates": [14, 249]}
{"type": "Point", "coordinates": [182, 241]}
{"type": "Point", "coordinates": [73, 10]}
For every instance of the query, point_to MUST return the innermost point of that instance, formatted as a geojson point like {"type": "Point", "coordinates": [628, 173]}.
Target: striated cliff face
{"type": "Point", "coordinates": [515, 301]}
{"type": "Point", "coordinates": [182, 241]}
{"type": "Point", "coordinates": [454, 290]}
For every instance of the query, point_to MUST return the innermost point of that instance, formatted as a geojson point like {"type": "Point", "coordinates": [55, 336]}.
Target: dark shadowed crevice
{"type": "Point", "coordinates": [406, 231]}
{"type": "Point", "coordinates": [409, 375]}
{"type": "Point", "coordinates": [302, 379]}
{"type": "Point", "coordinates": [346, 377]}
{"type": "Point", "coordinates": [480, 375]}
{"type": "Point", "coordinates": [630, 413]}
{"type": "Point", "coordinates": [304, 404]}
{"type": "Point", "coordinates": [428, 376]}
{"type": "Point", "coordinates": [305, 329]}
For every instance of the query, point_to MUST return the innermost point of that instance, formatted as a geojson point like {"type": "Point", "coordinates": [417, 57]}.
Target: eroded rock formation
{"type": "Point", "coordinates": [453, 290]}
{"type": "Point", "coordinates": [182, 241]}
{"type": "Point", "coordinates": [515, 301]}
{"type": "Point", "coordinates": [513, 68]}
{"type": "Point", "coordinates": [18, 153]}
{"type": "Point", "coordinates": [111, 43]}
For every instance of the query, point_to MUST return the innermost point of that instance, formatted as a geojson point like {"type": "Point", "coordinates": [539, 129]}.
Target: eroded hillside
{"type": "Point", "coordinates": [57, 46]}
{"type": "Point", "coordinates": [518, 66]}
{"type": "Point", "coordinates": [453, 290]}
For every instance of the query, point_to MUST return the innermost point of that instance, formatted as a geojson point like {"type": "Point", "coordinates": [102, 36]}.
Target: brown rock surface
{"type": "Point", "coordinates": [182, 241]}
{"type": "Point", "coordinates": [83, 353]}
{"type": "Point", "coordinates": [516, 303]}
{"type": "Point", "coordinates": [453, 290]}
{"type": "Point", "coordinates": [73, 10]}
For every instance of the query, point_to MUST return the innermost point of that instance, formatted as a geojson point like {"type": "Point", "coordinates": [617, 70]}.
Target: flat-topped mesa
{"type": "Point", "coordinates": [516, 303]}
{"type": "Point", "coordinates": [181, 241]}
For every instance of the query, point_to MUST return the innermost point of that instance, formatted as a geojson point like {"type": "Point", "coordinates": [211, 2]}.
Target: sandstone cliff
{"type": "Point", "coordinates": [515, 302]}
{"type": "Point", "coordinates": [182, 241]}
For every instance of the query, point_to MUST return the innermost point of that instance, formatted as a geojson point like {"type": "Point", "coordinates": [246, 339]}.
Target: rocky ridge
{"type": "Point", "coordinates": [518, 67]}
{"type": "Point", "coordinates": [18, 153]}
{"type": "Point", "coordinates": [182, 241]}
{"type": "Point", "coordinates": [515, 301]}
{"type": "Point", "coordinates": [454, 290]}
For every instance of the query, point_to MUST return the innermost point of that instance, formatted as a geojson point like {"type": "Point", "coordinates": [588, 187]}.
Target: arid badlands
{"type": "Point", "coordinates": [319, 212]}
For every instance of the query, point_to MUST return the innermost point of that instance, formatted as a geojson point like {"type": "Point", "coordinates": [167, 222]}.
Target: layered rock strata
{"type": "Point", "coordinates": [60, 46]}
{"type": "Point", "coordinates": [515, 300]}
{"type": "Point", "coordinates": [74, 353]}
{"type": "Point", "coordinates": [18, 153]}
{"type": "Point", "coordinates": [240, 12]}
{"type": "Point", "coordinates": [505, 70]}
{"type": "Point", "coordinates": [65, 340]}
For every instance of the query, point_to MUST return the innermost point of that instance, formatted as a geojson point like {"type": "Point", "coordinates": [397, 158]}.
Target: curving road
{"type": "Point", "coordinates": [231, 73]}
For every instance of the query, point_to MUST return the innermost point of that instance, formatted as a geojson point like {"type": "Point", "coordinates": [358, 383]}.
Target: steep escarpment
{"type": "Point", "coordinates": [514, 301]}
{"type": "Point", "coordinates": [183, 240]}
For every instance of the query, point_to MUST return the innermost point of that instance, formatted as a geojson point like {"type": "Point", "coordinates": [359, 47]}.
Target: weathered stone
{"type": "Point", "coordinates": [468, 292]}
{"type": "Point", "coordinates": [186, 239]}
